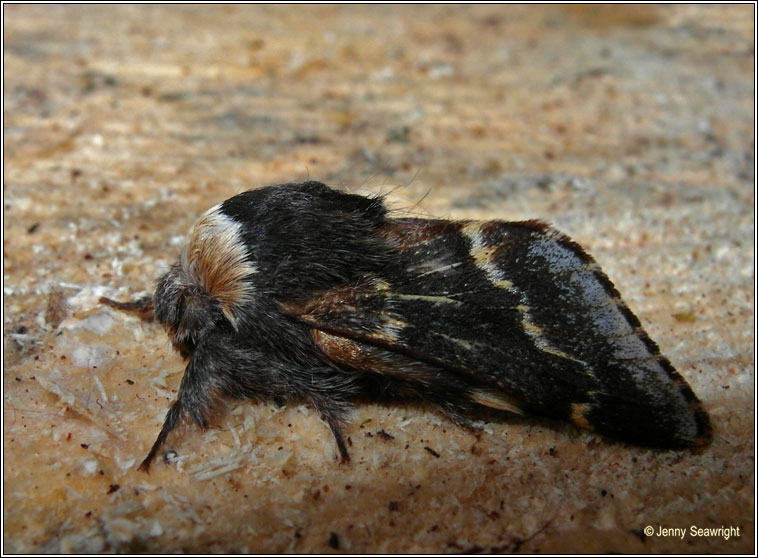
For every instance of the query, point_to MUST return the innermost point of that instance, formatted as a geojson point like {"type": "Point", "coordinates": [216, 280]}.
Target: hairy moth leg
{"type": "Point", "coordinates": [195, 401]}
{"type": "Point", "coordinates": [172, 418]}
{"type": "Point", "coordinates": [333, 413]}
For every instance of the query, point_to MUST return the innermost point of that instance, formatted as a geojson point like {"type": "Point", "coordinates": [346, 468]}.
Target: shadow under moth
{"type": "Point", "coordinates": [301, 292]}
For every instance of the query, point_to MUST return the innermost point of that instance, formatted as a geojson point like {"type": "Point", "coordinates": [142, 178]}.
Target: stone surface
{"type": "Point", "coordinates": [631, 129]}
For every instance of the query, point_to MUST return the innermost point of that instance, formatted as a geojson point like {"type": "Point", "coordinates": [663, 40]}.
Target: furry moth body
{"type": "Point", "coordinates": [299, 291]}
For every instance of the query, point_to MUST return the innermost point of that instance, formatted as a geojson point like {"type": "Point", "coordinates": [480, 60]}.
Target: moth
{"type": "Point", "coordinates": [301, 292]}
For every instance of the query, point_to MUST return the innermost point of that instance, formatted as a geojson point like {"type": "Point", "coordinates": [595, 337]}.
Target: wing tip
{"type": "Point", "coordinates": [496, 400]}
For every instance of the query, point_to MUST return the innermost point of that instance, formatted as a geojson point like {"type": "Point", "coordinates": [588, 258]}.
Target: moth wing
{"type": "Point", "coordinates": [519, 312]}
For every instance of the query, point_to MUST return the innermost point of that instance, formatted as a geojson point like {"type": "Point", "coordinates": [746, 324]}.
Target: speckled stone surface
{"type": "Point", "coordinates": [631, 129]}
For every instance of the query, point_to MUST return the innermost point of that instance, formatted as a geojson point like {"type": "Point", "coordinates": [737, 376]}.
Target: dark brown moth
{"type": "Point", "coordinates": [302, 292]}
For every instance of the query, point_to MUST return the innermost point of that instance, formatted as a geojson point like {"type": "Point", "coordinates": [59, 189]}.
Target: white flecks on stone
{"type": "Point", "coordinates": [90, 467]}
{"type": "Point", "coordinates": [121, 529]}
{"type": "Point", "coordinates": [87, 297]}
{"type": "Point", "coordinates": [89, 356]}
{"type": "Point", "coordinates": [125, 464]}
{"type": "Point", "coordinates": [156, 530]}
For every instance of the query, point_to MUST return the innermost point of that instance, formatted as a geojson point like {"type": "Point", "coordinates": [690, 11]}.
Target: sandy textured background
{"type": "Point", "coordinates": [631, 129]}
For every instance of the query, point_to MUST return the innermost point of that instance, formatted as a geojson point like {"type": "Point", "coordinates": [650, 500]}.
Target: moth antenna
{"type": "Point", "coordinates": [143, 307]}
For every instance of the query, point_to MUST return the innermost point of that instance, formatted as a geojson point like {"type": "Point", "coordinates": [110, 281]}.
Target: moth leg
{"type": "Point", "coordinates": [195, 401]}
{"type": "Point", "coordinates": [455, 415]}
{"type": "Point", "coordinates": [144, 307]}
{"type": "Point", "coordinates": [333, 415]}
{"type": "Point", "coordinates": [172, 418]}
{"type": "Point", "coordinates": [459, 412]}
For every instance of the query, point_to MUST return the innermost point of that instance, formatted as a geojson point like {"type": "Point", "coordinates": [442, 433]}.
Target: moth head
{"type": "Point", "coordinates": [211, 284]}
{"type": "Point", "coordinates": [185, 309]}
